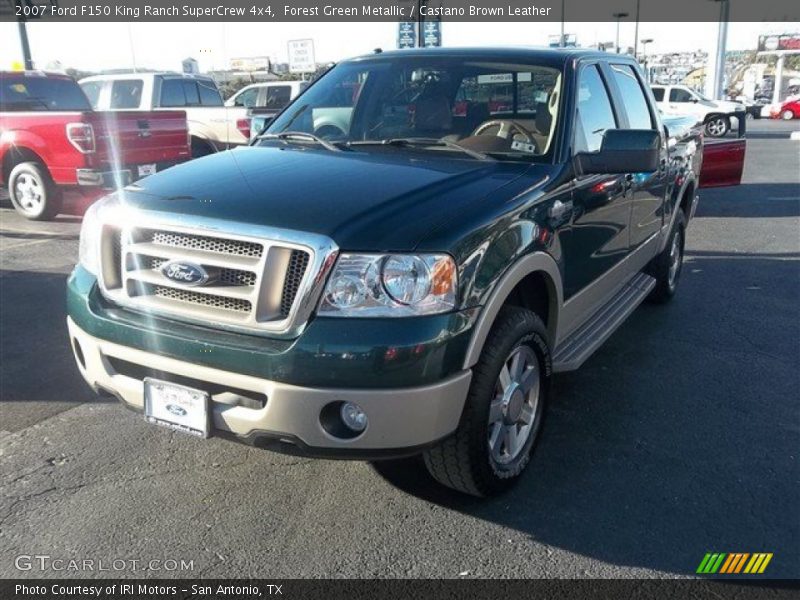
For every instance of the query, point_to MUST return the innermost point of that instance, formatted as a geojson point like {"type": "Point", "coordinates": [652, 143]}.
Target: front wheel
{"type": "Point", "coordinates": [787, 115]}
{"type": "Point", "coordinates": [717, 125]}
{"type": "Point", "coordinates": [503, 413]}
{"type": "Point", "coordinates": [667, 266]}
{"type": "Point", "coordinates": [33, 193]}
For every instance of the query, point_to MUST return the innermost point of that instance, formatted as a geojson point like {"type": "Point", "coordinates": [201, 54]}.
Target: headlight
{"type": "Point", "coordinates": [393, 285]}
{"type": "Point", "coordinates": [89, 247]}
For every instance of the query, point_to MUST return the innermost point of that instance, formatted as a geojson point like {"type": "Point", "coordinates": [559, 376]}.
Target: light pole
{"type": "Point", "coordinates": [561, 42]}
{"type": "Point", "coordinates": [722, 40]}
{"type": "Point", "coordinates": [619, 16]}
{"type": "Point", "coordinates": [644, 43]}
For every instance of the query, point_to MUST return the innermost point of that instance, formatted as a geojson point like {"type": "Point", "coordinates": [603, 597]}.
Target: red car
{"type": "Point", "coordinates": [789, 110]}
{"type": "Point", "coordinates": [52, 140]}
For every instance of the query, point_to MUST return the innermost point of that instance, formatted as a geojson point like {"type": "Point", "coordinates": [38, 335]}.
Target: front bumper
{"type": "Point", "coordinates": [401, 420]}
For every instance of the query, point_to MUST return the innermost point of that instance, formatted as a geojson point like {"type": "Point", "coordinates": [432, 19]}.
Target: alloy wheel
{"type": "Point", "coordinates": [513, 410]}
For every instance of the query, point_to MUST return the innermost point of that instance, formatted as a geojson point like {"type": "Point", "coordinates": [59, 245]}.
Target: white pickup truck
{"type": "Point", "coordinates": [212, 125]}
{"type": "Point", "coordinates": [681, 100]}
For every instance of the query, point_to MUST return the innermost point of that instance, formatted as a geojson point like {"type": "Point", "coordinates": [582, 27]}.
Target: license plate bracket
{"type": "Point", "coordinates": [178, 407]}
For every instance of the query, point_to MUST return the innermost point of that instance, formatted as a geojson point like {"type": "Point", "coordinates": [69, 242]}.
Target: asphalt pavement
{"type": "Point", "coordinates": [677, 438]}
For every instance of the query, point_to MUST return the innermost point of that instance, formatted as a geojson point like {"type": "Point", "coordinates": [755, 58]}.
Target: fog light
{"type": "Point", "coordinates": [353, 416]}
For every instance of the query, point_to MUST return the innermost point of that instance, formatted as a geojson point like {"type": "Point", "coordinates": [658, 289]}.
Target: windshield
{"type": "Point", "coordinates": [506, 110]}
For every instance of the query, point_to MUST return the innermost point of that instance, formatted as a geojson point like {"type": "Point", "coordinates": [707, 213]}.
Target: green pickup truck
{"type": "Point", "coordinates": [405, 278]}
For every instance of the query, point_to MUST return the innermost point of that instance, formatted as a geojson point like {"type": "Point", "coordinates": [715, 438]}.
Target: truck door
{"type": "Point", "coordinates": [648, 190]}
{"type": "Point", "coordinates": [598, 237]}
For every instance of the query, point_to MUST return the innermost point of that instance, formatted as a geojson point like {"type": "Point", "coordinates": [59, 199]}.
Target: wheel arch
{"type": "Point", "coordinates": [518, 286]}
{"type": "Point", "coordinates": [16, 155]}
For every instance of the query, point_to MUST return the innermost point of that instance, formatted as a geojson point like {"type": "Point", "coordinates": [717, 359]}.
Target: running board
{"type": "Point", "coordinates": [579, 345]}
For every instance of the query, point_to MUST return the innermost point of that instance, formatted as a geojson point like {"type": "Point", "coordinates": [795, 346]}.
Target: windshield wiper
{"type": "Point", "coordinates": [300, 135]}
{"type": "Point", "coordinates": [422, 142]}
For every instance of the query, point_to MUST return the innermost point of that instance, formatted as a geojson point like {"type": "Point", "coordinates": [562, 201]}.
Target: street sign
{"type": "Point", "coordinates": [406, 34]}
{"type": "Point", "coordinates": [432, 34]}
{"type": "Point", "coordinates": [301, 56]}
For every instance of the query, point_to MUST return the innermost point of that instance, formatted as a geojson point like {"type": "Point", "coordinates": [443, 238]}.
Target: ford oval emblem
{"type": "Point", "coordinates": [185, 273]}
{"type": "Point", "coordinates": [176, 410]}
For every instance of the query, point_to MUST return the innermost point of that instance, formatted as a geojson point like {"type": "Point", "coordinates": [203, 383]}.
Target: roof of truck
{"type": "Point", "coordinates": [524, 53]}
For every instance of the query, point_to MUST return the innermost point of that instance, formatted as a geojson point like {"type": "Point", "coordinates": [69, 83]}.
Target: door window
{"type": "Point", "coordinates": [595, 115]}
{"type": "Point", "coordinates": [679, 95]}
{"type": "Point", "coordinates": [247, 98]}
{"type": "Point", "coordinates": [632, 97]}
{"type": "Point", "coordinates": [209, 94]}
{"type": "Point", "coordinates": [278, 96]}
{"type": "Point", "coordinates": [172, 93]}
{"type": "Point", "coordinates": [126, 93]}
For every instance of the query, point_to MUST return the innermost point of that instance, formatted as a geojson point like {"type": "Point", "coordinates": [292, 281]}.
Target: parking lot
{"type": "Point", "coordinates": [679, 437]}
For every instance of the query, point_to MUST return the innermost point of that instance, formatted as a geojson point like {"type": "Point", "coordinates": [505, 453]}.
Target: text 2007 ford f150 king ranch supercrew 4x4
{"type": "Point", "coordinates": [406, 285]}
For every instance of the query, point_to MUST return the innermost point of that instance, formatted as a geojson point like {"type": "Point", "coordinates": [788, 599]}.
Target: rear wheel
{"type": "Point", "coordinates": [33, 193]}
{"type": "Point", "coordinates": [787, 115]}
{"type": "Point", "coordinates": [201, 148]}
{"type": "Point", "coordinates": [717, 125]}
{"type": "Point", "coordinates": [504, 410]}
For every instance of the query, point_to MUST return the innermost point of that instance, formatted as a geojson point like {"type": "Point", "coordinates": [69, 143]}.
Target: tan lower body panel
{"type": "Point", "coordinates": [398, 418]}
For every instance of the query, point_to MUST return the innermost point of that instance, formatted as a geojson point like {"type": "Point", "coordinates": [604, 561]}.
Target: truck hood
{"type": "Point", "coordinates": [381, 200]}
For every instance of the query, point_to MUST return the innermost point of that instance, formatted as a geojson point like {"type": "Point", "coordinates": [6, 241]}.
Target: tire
{"type": "Point", "coordinates": [667, 267]}
{"type": "Point", "coordinates": [717, 125]}
{"type": "Point", "coordinates": [787, 115]}
{"type": "Point", "coordinates": [464, 461]}
{"type": "Point", "coordinates": [33, 193]}
{"type": "Point", "coordinates": [201, 148]}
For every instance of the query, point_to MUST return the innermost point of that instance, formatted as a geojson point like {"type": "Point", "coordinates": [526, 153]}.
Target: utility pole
{"type": "Point", "coordinates": [618, 16]}
{"type": "Point", "coordinates": [722, 41]}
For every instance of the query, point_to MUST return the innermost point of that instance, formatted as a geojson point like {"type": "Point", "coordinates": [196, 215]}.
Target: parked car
{"type": "Point", "coordinates": [716, 115]}
{"type": "Point", "coordinates": [405, 285]}
{"type": "Point", "coordinates": [271, 94]}
{"type": "Point", "coordinates": [52, 140]}
{"type": "Point", "coordinates": [212, 125]}
{"type": "Point", "coordinates": [787, 111]}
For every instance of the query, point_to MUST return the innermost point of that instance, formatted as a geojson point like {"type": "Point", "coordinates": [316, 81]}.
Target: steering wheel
{"type": "Point", "coordinates": [506, 127]}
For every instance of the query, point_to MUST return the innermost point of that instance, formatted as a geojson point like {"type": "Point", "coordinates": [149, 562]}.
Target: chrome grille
{"type": "Point", "coordinates": [200, 298]}
{"type": "Point", "coordinates": [294, 276]}
{"type": "Point", "coordinates": [204, 243]}
{"type": "Point", "coordinates": [258, 281]}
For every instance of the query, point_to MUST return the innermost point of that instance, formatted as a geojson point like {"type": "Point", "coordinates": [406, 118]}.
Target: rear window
{"type": "Point", "coordinates": [126, 93]}
{"type": "Point", "coordinates": [41, 94]}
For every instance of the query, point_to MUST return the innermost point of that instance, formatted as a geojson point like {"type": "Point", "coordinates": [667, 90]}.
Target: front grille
{"type": "Point", "coordinates": [198, 298]}
{"type": "Point", "coordinates": [253, 284]}
{"type": "Point", "coordinates": [294, 276]}
{"type": "Point", "coordinates": [204, 243]}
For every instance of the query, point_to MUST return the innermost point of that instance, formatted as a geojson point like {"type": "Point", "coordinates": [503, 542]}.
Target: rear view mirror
{"type": "Point", "coordinates": [622, 151]}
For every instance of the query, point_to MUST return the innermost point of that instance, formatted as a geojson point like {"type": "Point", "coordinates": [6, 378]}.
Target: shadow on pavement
{"type": "Point", "coordinates": [677, 438]}
{"type": "Point", "coordinates": [751, 200]}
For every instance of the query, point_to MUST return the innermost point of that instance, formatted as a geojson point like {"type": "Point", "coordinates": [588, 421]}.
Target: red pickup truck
{"type": "Point", "coordinates": [51, 140]}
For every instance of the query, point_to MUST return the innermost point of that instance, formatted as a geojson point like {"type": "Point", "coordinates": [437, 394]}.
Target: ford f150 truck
{"type": "Point", "coordinates": [212, 125]}
{"type": "Point", "coordinates": [52, 140]}
{"type": "Point", "coordinates": [407, 285]}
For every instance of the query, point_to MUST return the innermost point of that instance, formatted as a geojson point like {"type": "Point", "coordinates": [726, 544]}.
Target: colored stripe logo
{"type": "Point", "coordinates": [734, 563]}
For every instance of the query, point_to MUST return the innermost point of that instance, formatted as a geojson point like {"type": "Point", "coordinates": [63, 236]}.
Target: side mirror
{"type": "Point", "coordinates": [622, 151]}
{"type": "Point", "coordinates": [695, 100]}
